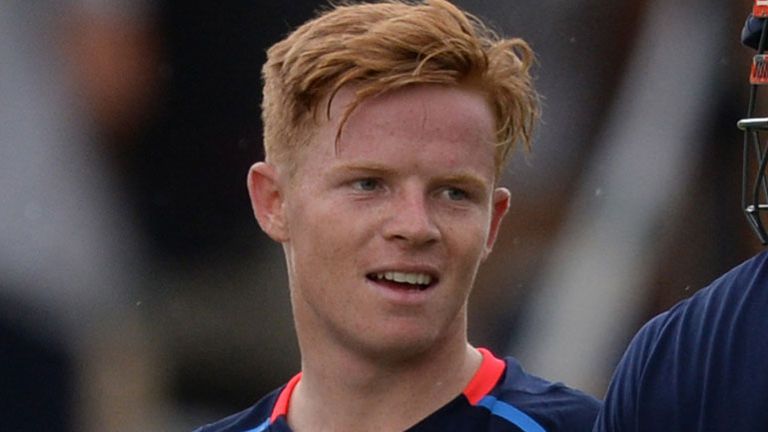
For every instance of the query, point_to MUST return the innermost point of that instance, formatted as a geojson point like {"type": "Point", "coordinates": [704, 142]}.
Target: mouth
{"type": "Point", "coordinates": [403, 280]}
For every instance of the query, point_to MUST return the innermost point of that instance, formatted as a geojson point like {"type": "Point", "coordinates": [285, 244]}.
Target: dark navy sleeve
{"type": "Point", "coordinates": [701, 366]}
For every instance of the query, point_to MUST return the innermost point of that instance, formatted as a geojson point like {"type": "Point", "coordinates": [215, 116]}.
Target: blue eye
{"type": "Point", "coordinates": [366, 184]}
{"type": "Point", "coordinates": [455, 194]}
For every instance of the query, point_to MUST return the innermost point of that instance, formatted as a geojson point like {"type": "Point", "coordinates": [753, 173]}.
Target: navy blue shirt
{"type": "Point", "coordinates": [501, 397]}
{"type": "Point", "coordinates": [700, 366]}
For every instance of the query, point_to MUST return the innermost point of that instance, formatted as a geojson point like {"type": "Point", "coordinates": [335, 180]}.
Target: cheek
{"type": "Point", "coordinates": [323, 235]}
{"type": "Point", "coordinates": [469, 242]}
{"type": "Point", "coordinates": [468, 229]}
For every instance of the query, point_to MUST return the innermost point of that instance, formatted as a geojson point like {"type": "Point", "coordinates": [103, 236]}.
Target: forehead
{"type": "Point", "coordinates": [451, 124]}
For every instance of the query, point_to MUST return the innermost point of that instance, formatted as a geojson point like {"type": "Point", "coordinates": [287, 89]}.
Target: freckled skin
{"type": "Point", "coordinates": [410, 184]}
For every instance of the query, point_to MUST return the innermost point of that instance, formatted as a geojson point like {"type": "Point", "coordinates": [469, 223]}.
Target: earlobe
{"type": "Point", "coordinates": [499, 207]}
{"type": "Point", "coordinates": [267, 200]}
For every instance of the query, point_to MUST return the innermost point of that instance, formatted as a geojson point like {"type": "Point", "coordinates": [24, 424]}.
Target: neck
{"type": "Point", "coordinates": [339, 393]}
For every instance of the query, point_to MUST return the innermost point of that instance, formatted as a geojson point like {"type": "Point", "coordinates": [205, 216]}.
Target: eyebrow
{"type": "Point", "coordinates": [368, 168]}
{"type": "Point", "coordinates": [467, 179]}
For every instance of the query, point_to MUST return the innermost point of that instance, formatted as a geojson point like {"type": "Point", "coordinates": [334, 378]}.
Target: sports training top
{"type": "Point", "coordinates": [500, 397]}
{"type": "Point", "coordinates": [700, 366]}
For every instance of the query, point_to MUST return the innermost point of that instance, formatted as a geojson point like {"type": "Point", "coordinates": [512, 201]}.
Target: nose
{"type": "Point", "coordinates": [410, 220]}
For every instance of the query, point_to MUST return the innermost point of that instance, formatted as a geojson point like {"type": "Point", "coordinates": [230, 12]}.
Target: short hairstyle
{"type": "Point", "coordinates": [379, 47]}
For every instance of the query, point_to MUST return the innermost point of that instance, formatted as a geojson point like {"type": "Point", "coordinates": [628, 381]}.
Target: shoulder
{"type": "Point", "coordinates": [714, 315]}
{"type": "Point", "coordinates": [725, 296]}
{"type": "Point", "coordinates": [249, 419]}
{"type": "Point", "coordinates": [554, 406]}
{"type": "Point", "coordinates": [724, 317]}
{"type": "Point", "coordinates": [693, 362]}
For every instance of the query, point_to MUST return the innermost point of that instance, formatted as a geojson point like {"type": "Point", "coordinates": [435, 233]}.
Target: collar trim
{"type": "Point", "coordinates": [482, 382]}
{"type": "Point", "coordinates": [284, 399]}
{"type": "Point", "coordinates": [486, 377]}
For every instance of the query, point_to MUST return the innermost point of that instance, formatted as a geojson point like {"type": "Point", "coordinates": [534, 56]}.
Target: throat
{"type": "Point", "coordinates": [402, 397]}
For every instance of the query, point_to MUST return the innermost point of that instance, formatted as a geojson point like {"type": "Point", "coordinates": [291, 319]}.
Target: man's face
{"type": "Point", "coordinates": [384, 232]}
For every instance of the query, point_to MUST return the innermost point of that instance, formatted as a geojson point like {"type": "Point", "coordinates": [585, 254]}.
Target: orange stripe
{"type": "Point", "coordinates": [281, 406]}
{"type": "Point", "coordinates": [760, 9]}
{"type": "Point", "coordinates": [485, 378]}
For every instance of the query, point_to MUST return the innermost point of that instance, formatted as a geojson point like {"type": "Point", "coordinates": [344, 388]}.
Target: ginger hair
{"type": "Point", "coordinates": [379, 47]}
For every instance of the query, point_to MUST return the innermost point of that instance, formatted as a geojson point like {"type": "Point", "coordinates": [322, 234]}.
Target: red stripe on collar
{"type": "Point", "coordinates": [281, 406]}
{"type": "Point", "coordinates": [485, 378]}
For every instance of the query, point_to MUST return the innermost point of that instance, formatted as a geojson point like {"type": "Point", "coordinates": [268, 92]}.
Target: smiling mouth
{"type": "Point", "coordinates": [403, 280]}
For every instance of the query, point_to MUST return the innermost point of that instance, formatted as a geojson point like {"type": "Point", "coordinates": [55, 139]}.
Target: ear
{"type": "Point", "coordinates": [267, 200]}
{"type": "Point", "coordinates": [499, 207]}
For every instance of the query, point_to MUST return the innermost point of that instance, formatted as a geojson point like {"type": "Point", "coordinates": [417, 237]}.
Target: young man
{"type": "Point", "coordinates": [386, 127]}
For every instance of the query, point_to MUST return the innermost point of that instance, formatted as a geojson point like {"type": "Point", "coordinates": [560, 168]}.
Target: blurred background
{"type": "Point", "coordinates": [137, 293]}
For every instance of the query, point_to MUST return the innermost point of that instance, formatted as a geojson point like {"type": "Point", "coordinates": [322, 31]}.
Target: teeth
{"type": "Point", "coordinates": [410, 278]}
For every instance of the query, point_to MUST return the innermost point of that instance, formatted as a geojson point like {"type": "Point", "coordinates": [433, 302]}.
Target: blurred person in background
{"type": "Point", "coordinates": [386, 129]}
{"type": "Point", "coordinates": [76, 352]}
